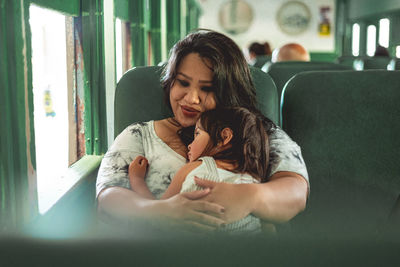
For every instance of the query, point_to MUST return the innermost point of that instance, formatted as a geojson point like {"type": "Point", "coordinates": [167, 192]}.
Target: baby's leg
{"type": "Point", "coordinates": [137, 168]}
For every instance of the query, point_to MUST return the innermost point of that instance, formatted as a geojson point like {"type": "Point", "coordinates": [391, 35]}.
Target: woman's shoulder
{"type": "Point", "coordinates": [136, 129]}
{"type": "Point", "coordinates": [279, 140]}
{"type": "Point", "coordinates": [277, 133]}
{"type": "Point", "coordinates": [131, 135]}
{"type": "Point", "coordinates": [285, 154]}
{"type": "Point", "coordinates": [139, 126]}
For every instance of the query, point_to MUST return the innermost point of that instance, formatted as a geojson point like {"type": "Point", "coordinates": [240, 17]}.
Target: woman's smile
{"type": "Point", "coordinates": [189, 112]}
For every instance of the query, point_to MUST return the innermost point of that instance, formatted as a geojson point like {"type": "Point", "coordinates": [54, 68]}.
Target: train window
{"type": "Point", "coordinates": [356, 39]}
{"type": "Point", "coordinates": [164, 50]}
{"type": "Point", "coordinates": [118, 47]}
{"type": "Point", "coordinates": [398, 51]}
{"type": "Point", "coordinates": [384, 25]}
{"type": "Point", "coordinates": [122, 47]}
{"type": "Point", "coordinates": [54, 115]}
{"type": "Point", "coordinates": [371, 40]}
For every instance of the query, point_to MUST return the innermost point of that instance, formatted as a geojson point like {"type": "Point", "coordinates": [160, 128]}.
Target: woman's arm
{"type": "Point", "coordinates": [278, 200]}
{"type": "Point", "coordinates": [282, 198]}
{"type": "Point", "coordinates": [117, 204]}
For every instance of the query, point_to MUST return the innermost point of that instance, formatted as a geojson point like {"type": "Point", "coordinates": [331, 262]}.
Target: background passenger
{"type": "Point", "coordinates": [267, 48]}
{"type": "Point", "coordinates": [255, 50]}
{"type": "Point", "coordinates": [205, 70]}
{"type": "Point", "coordinates": [290, 52]}
{"type": "Point", "coordinates": [381, 52]}
{"type": "Point", "coordinates": [257, 54]}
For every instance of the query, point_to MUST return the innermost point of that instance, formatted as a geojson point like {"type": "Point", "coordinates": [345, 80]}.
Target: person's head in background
{"type": "Point", "coordinates": [381, 52]}
{"type": "Point", "coordinates": [255, 50]}
{"type": "Point", "coordinates": [267, 49]}
{"type": "Point", "coordinates": [290, 52]}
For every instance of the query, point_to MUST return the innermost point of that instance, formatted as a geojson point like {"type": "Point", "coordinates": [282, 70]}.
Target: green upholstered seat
{"type": "Point", "coordinates": [394, 64]}
{"type": "Point", "coordinates": [261, 61]}
{"type": "Point", "coordinates": [346, 61]}
{"type": "Point", "coordinates": [375, 63]}
{"type": "Point", "coordinates": [139, 97]}
{"type": "Point", "coordinates": [347, 124]}
{"type": "Point", "coordinates": [281, 72]}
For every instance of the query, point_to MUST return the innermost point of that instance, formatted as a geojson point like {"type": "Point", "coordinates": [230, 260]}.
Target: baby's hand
{"type": "Point", "coordinates": [138, 168]}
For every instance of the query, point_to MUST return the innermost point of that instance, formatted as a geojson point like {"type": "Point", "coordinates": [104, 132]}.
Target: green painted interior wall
{"type": "Point", "coordinates": [121, 9]}
{"type": "Point", "coordinates": [18, 195]}
{"type": "Point", "coordinates": [155, 31]}
{"type": "Point", "coordinates": [365, 8]}
{"type": "Point", "coordinates": [365, 12]}
{"type": "Point", "coordinates": [93, 52]}
{"type": "Point", "coordinates": [70, 7]}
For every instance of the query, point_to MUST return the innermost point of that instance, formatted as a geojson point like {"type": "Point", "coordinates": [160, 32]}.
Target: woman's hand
{"type": "Point", "coordinates": [236, 198]}
{"type": "Point", "coordinates": [187, 211]}
{"type": "Point", "coordinates": [278, 200]}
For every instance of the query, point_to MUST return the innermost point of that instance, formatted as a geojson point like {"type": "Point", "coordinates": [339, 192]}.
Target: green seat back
{"type": "Point", "coordinates": [281, 72]}
{"type": "Point", "coordinates": [346, 61]}
{"type": "Point", "coordinates": [347, 124]}
{"type": "Point", "coordinates": [139, 97]}
{"type": "Point", "coordinates": [261, 60]}
{"type": "Point", "coordinates": [394, 64]}
{"type": "Point", "coordinates": [375, 63]}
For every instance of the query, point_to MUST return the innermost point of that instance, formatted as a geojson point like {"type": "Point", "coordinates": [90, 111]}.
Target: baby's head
{"type": "Point", "coordinates": [234, 135]}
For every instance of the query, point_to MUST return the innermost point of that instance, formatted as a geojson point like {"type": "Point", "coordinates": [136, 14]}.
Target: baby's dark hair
{"type": "Point", "coordinates": [249, 148]}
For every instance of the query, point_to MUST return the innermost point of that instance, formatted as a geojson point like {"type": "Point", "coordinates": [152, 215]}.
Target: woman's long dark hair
{"type": "Point", "coordinates": [248, 149]}
{"type": "Point", "coordinates": [232, 82]}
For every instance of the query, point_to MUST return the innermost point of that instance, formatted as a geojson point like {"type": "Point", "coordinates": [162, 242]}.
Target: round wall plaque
{"type": "Point", "coordinates": [235, 16]}
{"type": "Point", "coordinates": [293, 17]}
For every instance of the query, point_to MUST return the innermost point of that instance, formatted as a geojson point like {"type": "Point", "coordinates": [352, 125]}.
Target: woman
{"type": "Point", "coordinates": [205, 70]}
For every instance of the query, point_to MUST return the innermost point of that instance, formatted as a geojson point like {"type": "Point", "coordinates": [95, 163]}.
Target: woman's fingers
{"type": "Point", "coordinates": [181, 209]}
{"type": "Point", "coordinates": [194, 226]}
{"type": "Point", "coordinates": [204, 219]}
{"type": "Point", "coordinates": [205, 206]}
{"type": "Point", "coordinates": [196, 194]}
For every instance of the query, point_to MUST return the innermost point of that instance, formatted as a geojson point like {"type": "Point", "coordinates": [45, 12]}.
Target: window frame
{"type": "Point", "coordinates": [18, 164]}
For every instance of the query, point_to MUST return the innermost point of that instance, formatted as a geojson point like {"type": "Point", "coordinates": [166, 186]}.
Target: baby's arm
{"type": "Point", "coordinates": [176, 184]}
{"type": "Point", "coordinates": [137, 174]}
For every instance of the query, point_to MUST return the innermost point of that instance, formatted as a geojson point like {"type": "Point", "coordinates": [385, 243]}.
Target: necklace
{"type": "Point", "coordinates": [174, 122]}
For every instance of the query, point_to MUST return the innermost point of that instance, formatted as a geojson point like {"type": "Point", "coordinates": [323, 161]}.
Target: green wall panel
{"type": "Point", "coordinates": [18, 180]}
{"type": "Point", "coordinates": [121, 9]}
{"type": "Point", "coordinates": [173, 22]}
{"type": "Point", "coordinates": [364, 8]}
{"type": "Point", "coordinates": [155, 31]}
{"type": "Point", "coordinates": [68, 7]}
{"type": "Point", "coordinates": [93, 53]}
{"type": "Point", "coordinates": [139, 15]}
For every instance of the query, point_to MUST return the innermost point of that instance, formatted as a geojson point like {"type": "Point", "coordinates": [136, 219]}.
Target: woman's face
{"type": "Point", "coordinates": [200, 141]}
{"type": "Point", "coordinates": [190, 93]}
